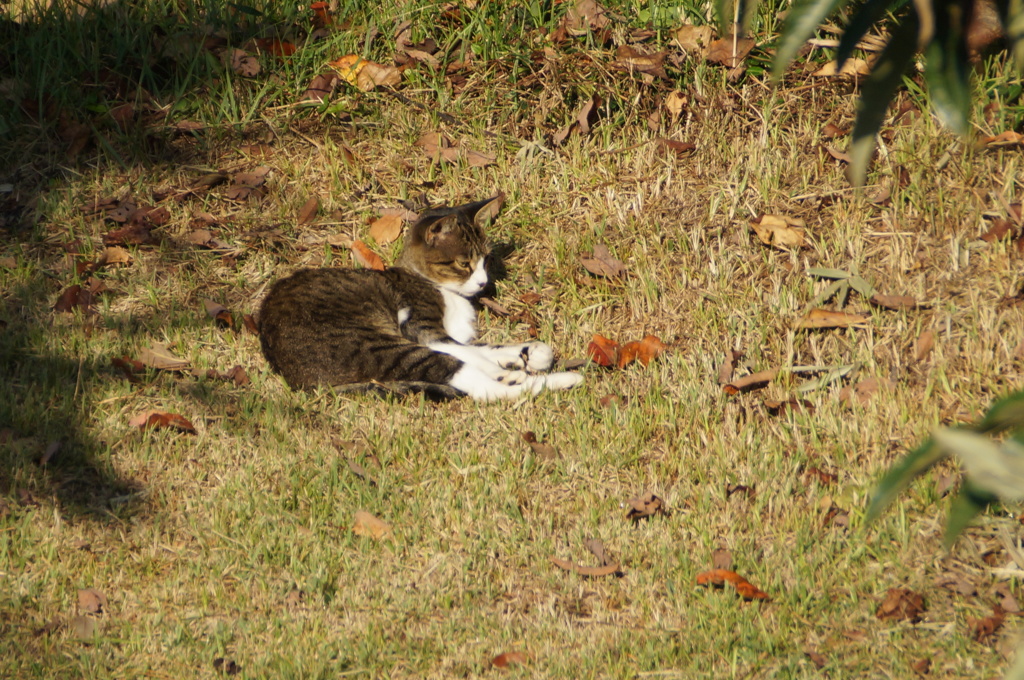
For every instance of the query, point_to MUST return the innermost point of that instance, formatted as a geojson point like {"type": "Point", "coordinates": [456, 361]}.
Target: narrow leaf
{"type": "Point", "coordinates": [946, 66]}
{"type": "Point", "coordinates": [804, 18]}
{"type": "Point", "coordinates": [878, 90]}
{"type": "Point", "coordinates": [868, 15]}
{"type": "Point", "coordinates": [969, 503]}
{"type": "Point", "coordinates": [1005, 414]}
{"type": "Point", "coordinates": [899, 477]}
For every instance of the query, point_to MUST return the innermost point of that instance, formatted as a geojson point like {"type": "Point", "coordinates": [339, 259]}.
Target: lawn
{"type": "Point", "coordinates": [173, 161]}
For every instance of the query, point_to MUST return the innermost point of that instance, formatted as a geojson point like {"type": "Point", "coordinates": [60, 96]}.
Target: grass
{"type": "Point", "coordinates": [237, 542]}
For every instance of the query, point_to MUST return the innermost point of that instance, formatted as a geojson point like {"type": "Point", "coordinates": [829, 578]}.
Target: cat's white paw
{"type": "Point", "coordinates": [539, 357]}
{"type": "Point", "coordinates": [562, 381]}
{"type": "Point", "coordinates": [513, 378]}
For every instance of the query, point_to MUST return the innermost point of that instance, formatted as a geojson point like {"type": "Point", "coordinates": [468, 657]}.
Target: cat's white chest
{"type": "Point", "coordinates": [459, 317]}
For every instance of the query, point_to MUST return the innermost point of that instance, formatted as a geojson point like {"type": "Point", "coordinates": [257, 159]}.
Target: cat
{"type": "Point", "coordinates": [405, 329]}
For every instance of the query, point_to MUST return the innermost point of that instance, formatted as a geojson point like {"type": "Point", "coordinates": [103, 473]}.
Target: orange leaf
{"type": "Point", "coordinates": [160, 419]}
{"type": "Point", "coordinates": [650, 348]}
{"type": "Point", "coordinates": [629, 353]}
{"type": "Point", "coordinates": [509, 659]}
{"type": "Point", "coordinates": [745, 589]}
{"type": "Point", "coordinates": [367, 257]}
{"type": "Point", "coordinates": [386, 229]}
{"type": "Point", "coordinates": [602, 351]}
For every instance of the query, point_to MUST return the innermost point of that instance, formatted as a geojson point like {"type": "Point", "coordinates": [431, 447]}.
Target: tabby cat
{"type": "Point", "coordinates": [405, 329]}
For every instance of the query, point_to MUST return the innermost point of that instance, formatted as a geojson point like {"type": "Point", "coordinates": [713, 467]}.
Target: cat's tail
{"type": "Point", "coordinates": [402, 388]}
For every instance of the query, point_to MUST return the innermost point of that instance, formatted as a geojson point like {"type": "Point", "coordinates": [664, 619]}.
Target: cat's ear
{"type": "Point", "coordinates": [483, 212]}
{"type": "Point", "coordinates": [438, 230]}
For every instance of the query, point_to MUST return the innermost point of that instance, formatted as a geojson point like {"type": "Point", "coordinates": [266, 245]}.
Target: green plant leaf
{"type": "Point", "coordinates": [879, 88]}
{"type": "Point", "coordinates": [803, 20]}
{"type": "Point", "coordinates": [868, 15]}
{"type": "Point", "coordinates": [969, 503]}
{"type": "Point", "coordinates": [946, 70]}
{"type": "Point", "coordinates": [727, 10]}
{"type": "Point", "coordinates": [899, 476]}
{"type": "Point", "coordinates": [1005, 414]}
{"type": "Point", "coordinates": [992, 466]}
{"type": "Point", "coordinates": [862, 286]}
{"type": "Point", "coordinates": [828, 273]}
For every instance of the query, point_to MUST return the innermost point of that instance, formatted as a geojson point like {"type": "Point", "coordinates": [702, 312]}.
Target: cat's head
{"type": "Point", "coordinates": [448, 246]}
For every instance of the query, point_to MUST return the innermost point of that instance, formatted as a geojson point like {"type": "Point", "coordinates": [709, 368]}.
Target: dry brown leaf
{"type": "Point", "coordinates": [824, 318]}
{"type": "Point", "coordinates": [694, 39]}
{"type": "Point", "coordinates": [817, 659]}
{"type": "Point", "coordinates": [778, 408]}
{"type": "Point", "coordinates": [249, 321]}
{"type": "Point", "coordinates": [831, 131]}
{"type": "Point", "coordinates": [753, 381]}
{"type": "Point", "coordinates": [864, 390]}
{"type": "Point", "coordinates": [780, 231]}
{"type": "Point", "coordinates": [602, 263]}
{"type": "Point", "coordinates": [675, 102]}
{"type": "Point", "coordinates": [160, 419]}
{"type": "Point", "coordinates": [113, 255]}
{"type": "Point", "coordinates": [84, 627]}
{"type": "Point", "coordinates": [645, 506]}
{"type": "Point", "coordinates": [366, 524]}
{"type": "Point", "coordinates": [543, 450]}
{"type": "Point", "coordinates": [510, 659]}
{"type": "Point", "coordinates": [386, 229]}
{"type": "Point", "coordinates": [365, 74]}
{"type": "Point", "coordinates": [631, 60]}
{"type": "Point", "coordinates": [321, 87]}
{"type": "Point", "coordinates": [241, 62]}
{"type": "Point", "coordinates": [894, 302]}
{"type": "Point", "coordinates": [308, 211]}
{"type": "Point", "coordinates": [840, 156]}
{"type": "Point", "coordinates": [367, 257]}
{"type": "Point", "coordinates": [728, 366]}
{"type": "Point", "coordinates": [852, 68]}
{"type": "Point", "coordinates": [159, 357]}
{"type": "Point", "coordinates": [584, 15]}
{"type": "Point", "coordinates": [999, 230]}
{"type": "Point", "coordinates": [677, 148]}
{"type": "Point", "coordinates": [1002, 140]}
{"type": "Point", "coordinates": [901, 604]}
{"type": "Point", "coordinates": [92, 601]}
{"type": "Point", "coordinates": [721, 559]}
{"type": "Point", "coordinates": [218, 312]}
{"type": "Point", "coordinates": [592, 572]}
{"type": "Point", "coordinates": [478, 159]}
{"type": "Point", "coordinates": [816, 474]}
{"type": "Point", "coordinates": [721, 51]}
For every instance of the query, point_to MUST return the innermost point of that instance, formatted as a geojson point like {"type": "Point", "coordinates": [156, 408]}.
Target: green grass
{"type": "Point", "coordinates": [237, 542]}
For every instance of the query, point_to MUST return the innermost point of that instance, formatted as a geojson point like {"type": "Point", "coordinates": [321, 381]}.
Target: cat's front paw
{"type": "Point", "coordinates": [513, 378]}
{"type": "Point", "coordinates": [538, 356]}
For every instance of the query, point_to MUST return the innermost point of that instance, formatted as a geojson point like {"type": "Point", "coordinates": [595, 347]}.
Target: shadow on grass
{"type": "Point", "coordinates": [47, 453]}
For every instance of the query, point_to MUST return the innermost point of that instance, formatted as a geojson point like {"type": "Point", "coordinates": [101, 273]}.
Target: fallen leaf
{"type": "Point", "coordinates": [753, 381]}
{"type": "Point", "coordinates": [321, 87]}
{"type": "Point", "coordinates": [386, 229]}
{"type": "Point", "coordinates": [92, 601]}
{"type": "Point", "coordinates": [721, 51]}
{"type": "Point", "coordinates": [159, 357]}
{"type": "Point", "coordinates": [276, 46]}
{"type": "Point", "coordinates": [983, 629]}
{"type": "Point", "coordinates": [901, 604]}
{"type": "Point", "coordinates": [645, 506]}
{"type": "Point", "coordinates": [602, 263]}
{"type": "Point", "coordinates": [321, 14]}
{"type": "Point", "coordinates": [778, 408]}
{"type": "Point", "coordinates": [894, 302]}
{"type": "Point", "coordinates": [84, 627]}
{"type": "Point", "coordinates": [645, 350]}
{"type": "Point", "coordinates": [817, 659]}
{"type": "Point", "coordinates": [824, 318]}
{"type": "Point", "coordinates": [1002, 140]}
{"type": "Point", "coordinates": [852, 68]}
{"type": "Point", "coordinates": [585, 118]}
{"type": "Point", "coordinates": [957, 583]}
{"type": "Point", "coordinates": [495, 308]}
{"type": "Point", "coordinates": [612, 400]}
{"type": "Point", "coordinates": [241, 62]}
{"type": "Point", "coordinates": [1006, 598]}
{"type": "Point", "coordinates": [160, 419]}
{"type": "Point", "coordinates": [840, 156]}
{"type": "Point", "coordinates": [366, 74]}
{"type": "Point", "coordinates": [695, 39]}
{"type": "Point", "coordinates": [73, 296]}
{"type": "Point", "coordinates": [366, 257]}
{"type": "Point", "coordinates": [509, 659]}
{"type": "Point", "coordinates": [780, 231]}
{"type": "Point", "coordinates": [602, 351]}
{"type": "Point", "coordinates": [922, 666]}
{"type": "Point", "coordinates": [586, 15]}
{"type": "Point", "coordinates": [308, 211]}
{"type": "Point", "coordinates": [249, 321]}
{"type": "Point", "coordinates": [366, 524]}
{"type": "Point", "coordinates": [130, 367]}
{"type": "Point", "coordinates": [748, 491]}
{"type": "Point", "coordinates": [631, 60]}
{"type": "Point", "coordinates": [134, 234]}
{"type": "Point", "coordinates": [831, 131]}
{"type": "Point", "coordinates": [113, 255]}
{"type": "Point", "coordinates": [592, 572]}
{"type": "Point", "coordinates": [864, 390]}
{"type": "Point", "coordinates": [816, 474]}
{"type": "Point", "coordinates": [543, 450]}
{"type": "Point", "coordinates": [675, 102]}
{"type": "Point", "coordinates": [719, 577]}
{"type": "Point", "coordinates": [218, 312]}
{"type": "Point", "coordinates": [728, 366]}
{"type": "Point", "coordinates": [596, 547]}
{"type": "Point", "coordinates": [677, 148]}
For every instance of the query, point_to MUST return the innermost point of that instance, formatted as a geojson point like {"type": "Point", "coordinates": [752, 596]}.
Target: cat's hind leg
{"type": "Point", "coordinates": [497, 359]}
{"type": "Point", "coordinates": [510, 384]}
